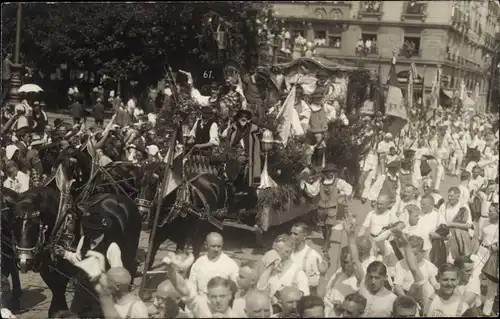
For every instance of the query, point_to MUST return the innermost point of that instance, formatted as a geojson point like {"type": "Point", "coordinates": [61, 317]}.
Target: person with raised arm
{"type": "Point", "coordinates": [445, 301]}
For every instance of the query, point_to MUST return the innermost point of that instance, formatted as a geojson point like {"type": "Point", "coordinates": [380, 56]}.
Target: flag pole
{"type": "Point", "coordinates": [166, 178]}
{"type": "Point", "coordinates": [423, 110]}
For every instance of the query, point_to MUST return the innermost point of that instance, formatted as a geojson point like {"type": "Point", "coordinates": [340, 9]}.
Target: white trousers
{"type": "Point", "coordinates": [456, 162]}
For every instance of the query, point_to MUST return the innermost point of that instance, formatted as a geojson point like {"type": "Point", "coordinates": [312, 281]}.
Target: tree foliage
{"type": "Point", "coordinates": [133, 40]}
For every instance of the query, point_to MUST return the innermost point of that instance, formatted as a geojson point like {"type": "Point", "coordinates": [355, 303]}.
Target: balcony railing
{"type": "Point", "coordinates": [364, 51]}
{"type": "Point", "coordinates": [414, 10]}
{"type": "Point", "coordinates": [370, 9]}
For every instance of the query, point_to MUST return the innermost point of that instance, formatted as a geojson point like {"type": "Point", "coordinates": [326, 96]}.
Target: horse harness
{"type": "Point", "coordinates": [33, 251]}
{"type": "Point", "coordinates": [183, 207]}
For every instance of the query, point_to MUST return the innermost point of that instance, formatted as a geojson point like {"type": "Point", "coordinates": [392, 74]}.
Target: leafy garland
{"type": "Point", "coordinates": [278, 199]}
{"type": "Point", "coordinates": [184, 111]}
{"type": "Point", "coordinates": [285, 165]}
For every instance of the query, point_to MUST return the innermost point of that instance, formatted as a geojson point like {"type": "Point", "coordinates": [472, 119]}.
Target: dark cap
{"type": "Point", "coordinates": [319, 93]}
{"type": "Point", "coordinates": [243, 113]}
{"type": "Point", "coordinates": [329, 168]}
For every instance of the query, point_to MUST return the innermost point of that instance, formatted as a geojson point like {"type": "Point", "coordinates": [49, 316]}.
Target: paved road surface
{"type": "Point", "coordinates": [239, 245]}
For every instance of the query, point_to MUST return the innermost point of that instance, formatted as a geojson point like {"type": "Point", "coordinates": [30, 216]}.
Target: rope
{"type": "Point", "coordinates": [52, 268]}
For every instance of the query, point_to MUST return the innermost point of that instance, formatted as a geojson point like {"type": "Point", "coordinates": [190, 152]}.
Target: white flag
{"type": "Point", "coordinates": [291, 122]}
{"type": "Point", "coordinates": [174, 178]}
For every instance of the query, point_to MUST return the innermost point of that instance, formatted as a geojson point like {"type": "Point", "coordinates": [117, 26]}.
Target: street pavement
{"type": "Point", "coordinates": [239, 244]}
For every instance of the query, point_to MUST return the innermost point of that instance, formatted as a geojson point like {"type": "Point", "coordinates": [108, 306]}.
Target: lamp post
{"type": "Point", "coordinates": [15, 81]}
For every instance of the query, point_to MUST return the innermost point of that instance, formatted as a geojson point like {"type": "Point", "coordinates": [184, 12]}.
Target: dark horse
{"type": "Point", "coordinates": [38, 230]}
{"type": "Point", "coordinates": [9, 268]}
{"type": "Point", "coordinates": [197, 207]}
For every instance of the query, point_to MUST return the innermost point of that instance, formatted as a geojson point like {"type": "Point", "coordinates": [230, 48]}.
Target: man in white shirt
{"type": "Point", "coordinates": [95, 239]}
{"type": "Point", "coordinates": [307, 258]}
{"type": "Point", "coordinates": [246, 282]}
{"type": "Point", "coordinates": [214, 264]}
{"type": "Point", "coordinates": [117, 301]}
{"type": "Point", "coordinates": [458, 147]}
{"type": "Point", "coordinates": [205, 131]}
{"type": "Point", "coordinates": [476, 182]}
{"type": "Point", "coordinates": [377, 220]}
{"type": "Point", "coordinates": [470, 284]}
{"type": "Point", "coordinates": [258, 305]}
{"type": "Point", "coordinates": [465, 177]}
{"type": "Point", "coordinates": [383, 150]}
{"type": "Point", "coordinates": [404, 278]}
{"type": "Point", "coordinates": [288, 300]}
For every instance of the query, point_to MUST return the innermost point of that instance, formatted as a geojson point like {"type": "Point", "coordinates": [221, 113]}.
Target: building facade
{"type": "Point", "coordinates": [459, 36]}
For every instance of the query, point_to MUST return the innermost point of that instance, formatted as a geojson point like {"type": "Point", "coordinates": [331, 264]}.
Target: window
{"type": "Point", "coordinates": [371, 6]}
{"type": "Point", "coordinates": [334, 41]}
{"type": "Point", "coordinates": [296, 32]}
{"type": "Point", "coordinates": [368, 43]}
{"type": "Point", "coordinates": [415, 7]}
{"type": "Point", "coordinates": [412, 43]}
{"type": "Point", "coordinates": [320, 37]}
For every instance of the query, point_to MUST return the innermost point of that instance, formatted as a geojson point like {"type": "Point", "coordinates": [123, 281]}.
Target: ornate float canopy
{"type": "Point", "coordinates": [318, 63]}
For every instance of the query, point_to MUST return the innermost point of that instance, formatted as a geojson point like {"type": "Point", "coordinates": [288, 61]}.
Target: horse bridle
{"type": "Point", "coordinates": [33, 251]}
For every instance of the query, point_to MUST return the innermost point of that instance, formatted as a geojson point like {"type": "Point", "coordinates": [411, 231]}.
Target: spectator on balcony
{"type": "Point", "coordinates": [415, 7]}
{"type": "Point", "coordinates": [368, 45]}
{"type": "Point", "coordinates": [374, 46]}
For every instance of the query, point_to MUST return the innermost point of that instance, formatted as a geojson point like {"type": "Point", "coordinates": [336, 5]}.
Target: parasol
{"type": "Point", "coordinates": [27, 88]}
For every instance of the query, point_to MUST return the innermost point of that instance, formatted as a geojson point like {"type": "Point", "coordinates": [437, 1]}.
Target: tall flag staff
{"type": "Point", "coordinates": [462, 84]}
{"type": "Point", "coordinates": [423, 108]}
{"type": "Point", "coordinates": [168, 171]}
{"type": "Point", "coordinates": [435, 94]}
{"type": "Point", "coordinates": [395, 109]}
{"type": "Point", "coordinates": [380, 90]}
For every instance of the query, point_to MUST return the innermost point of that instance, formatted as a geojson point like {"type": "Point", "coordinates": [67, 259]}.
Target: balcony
{"type": "Point", "coordinates": [370, 9]}
{"type": "Point", "coordinates": [367, 45]}
{"type": "Point", "coordinates": [410, 49]}
{"type": "Point", "coordinates": [414, 10]}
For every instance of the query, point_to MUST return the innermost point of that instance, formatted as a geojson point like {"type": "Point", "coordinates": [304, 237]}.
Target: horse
{"type": "Point", "coordinates": [9, 268]}
{"type": "Point", "coordinates": [38, 229]}
{"type": "Point", "coordinates": [196, 208]}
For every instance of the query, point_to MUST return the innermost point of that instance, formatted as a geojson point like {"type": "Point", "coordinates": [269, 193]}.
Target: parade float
{"type": "Point", "coordinates": [287, 173]}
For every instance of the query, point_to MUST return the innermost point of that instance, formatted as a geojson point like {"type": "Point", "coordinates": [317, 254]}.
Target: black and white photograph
{"type": "Point", "coordinates": [249, 159]}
